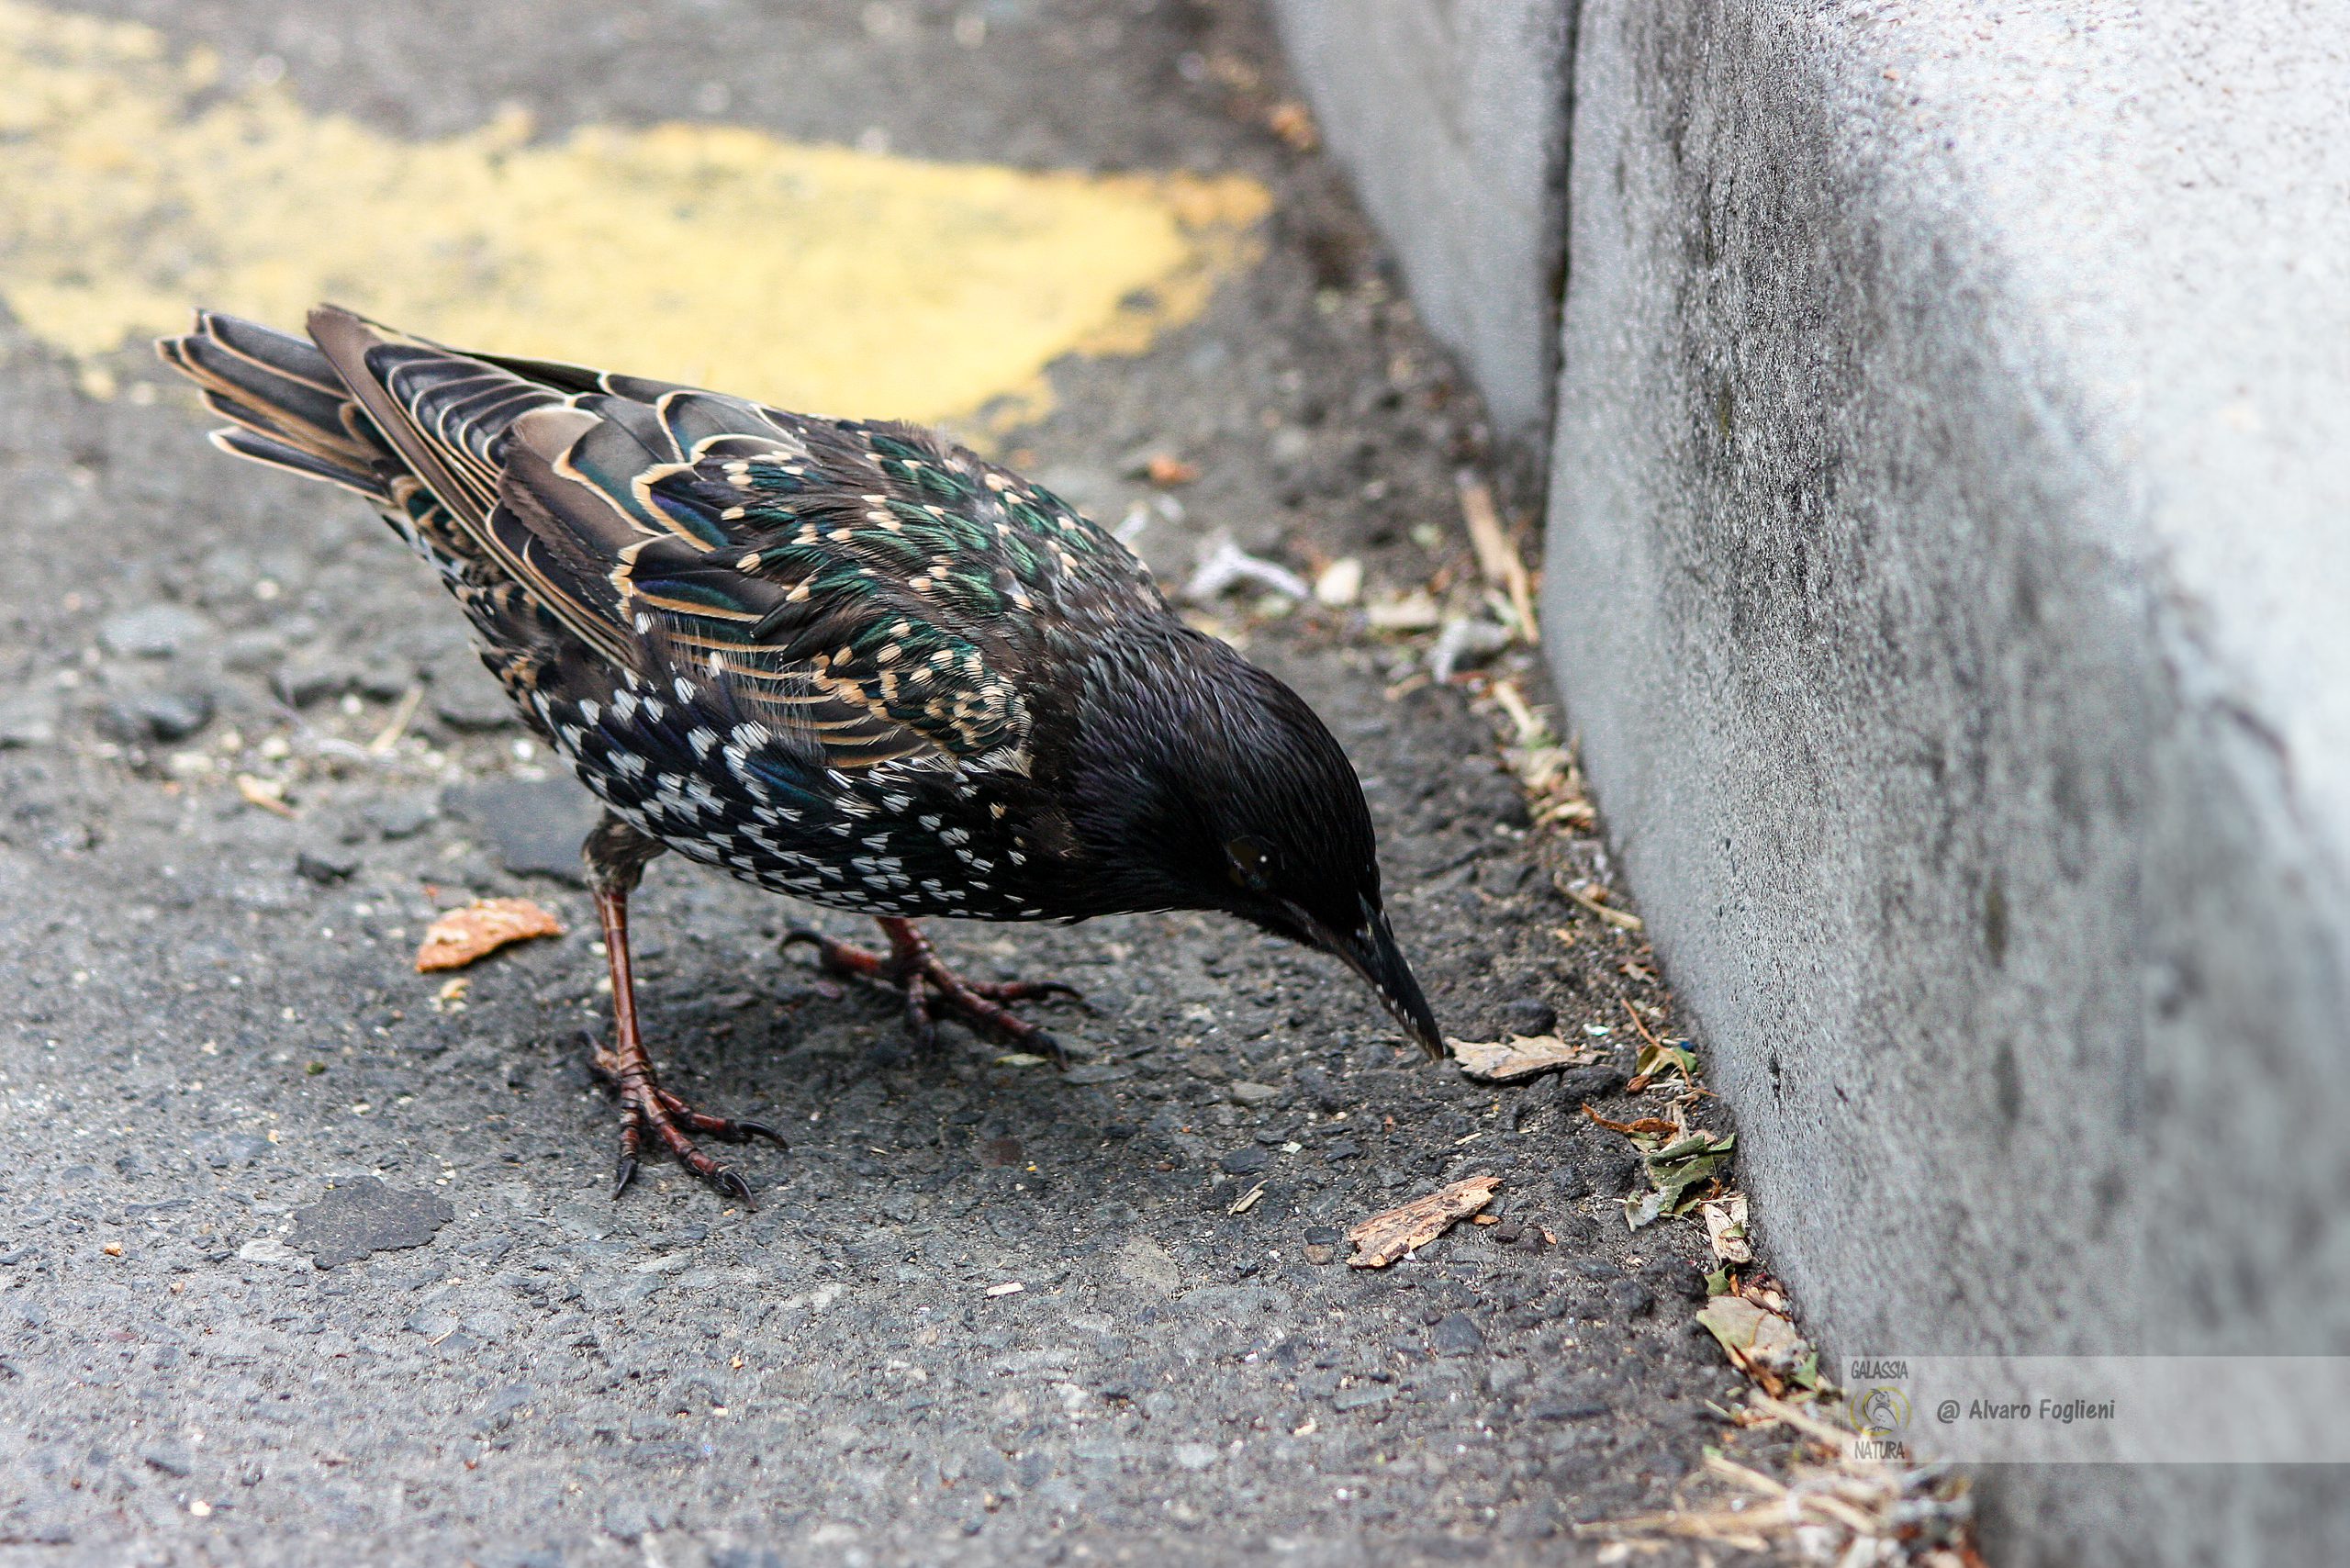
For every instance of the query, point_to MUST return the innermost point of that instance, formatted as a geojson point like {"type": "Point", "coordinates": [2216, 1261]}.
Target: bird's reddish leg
{"type": "Point", "coordinates": [913, 965]}
{"type": "Point", "coordinates": [616, 855]}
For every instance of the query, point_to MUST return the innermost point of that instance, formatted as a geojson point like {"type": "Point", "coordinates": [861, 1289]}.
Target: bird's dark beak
{"type": "Point", "coordinates": [1369, 950]}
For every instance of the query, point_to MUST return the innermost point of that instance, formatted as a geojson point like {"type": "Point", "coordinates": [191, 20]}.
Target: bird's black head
{"type": "Point", "coordinates": [1201, 782]}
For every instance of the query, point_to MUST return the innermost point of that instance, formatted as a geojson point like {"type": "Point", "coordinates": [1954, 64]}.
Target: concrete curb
{"type": "Point", "coordinates": [1945, 565]}
{"type": "Point", "coordinates": [1448, 115]}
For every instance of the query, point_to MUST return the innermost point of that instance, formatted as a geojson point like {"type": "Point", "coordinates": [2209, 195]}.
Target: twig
{"type": "Point", "coordinates": [1801, 1420]}
{"type": "Point", "coordinates": [389, 736]}
{"type": "Point", "coordinates": [1531, 730]}
{"type": "Point", "coordinates": [1497, 558]}
{"type": "Point", "coordinates": [1614, 917]}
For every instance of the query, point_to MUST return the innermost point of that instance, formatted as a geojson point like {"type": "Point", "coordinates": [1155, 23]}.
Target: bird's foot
{"type": "Point", "coordinates": [649, 1112]}
{"type": "Point", "coordinates": [913, 966]}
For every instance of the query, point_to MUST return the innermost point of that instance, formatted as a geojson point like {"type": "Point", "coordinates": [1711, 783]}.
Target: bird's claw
{"type": "Point", "coordinates": [915, 968]}
{"type": "Point", "coordinates": [648, 1108]}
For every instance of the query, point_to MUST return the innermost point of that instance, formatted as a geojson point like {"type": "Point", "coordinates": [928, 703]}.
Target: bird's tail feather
{"type": "Point", "coordinates": [285, 404]}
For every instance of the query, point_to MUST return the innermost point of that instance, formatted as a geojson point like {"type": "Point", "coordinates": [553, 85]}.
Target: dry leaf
{"type": "Point", "coordinates": [1646, 1126]}
{"type": "Point", "coordinates": [1383, 1237]}
{"type": "Point", "coordinates": [1725, 1228]}
{"type": "Point", "coordinates": [480, 928]}
{"type": "Point", "coordinates": [1518, 1055]}
{"type": "Point", "coordinates": [1759, 1342]}
{"type": "Point", "coordinates": [1165, 470]}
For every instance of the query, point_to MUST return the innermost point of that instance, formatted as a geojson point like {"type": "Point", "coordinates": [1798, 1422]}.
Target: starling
{"type": "Point", "coordinates": [847, 661]}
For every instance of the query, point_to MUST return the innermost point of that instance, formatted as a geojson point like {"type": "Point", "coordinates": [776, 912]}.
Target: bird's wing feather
{"type": "Point", "coordinates": [867, 588]}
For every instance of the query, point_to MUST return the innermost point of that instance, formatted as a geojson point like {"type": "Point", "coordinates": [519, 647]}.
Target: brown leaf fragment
{"type": "Point", "coordinates": [1166, 470]}
{"type": "Point", "coordinates": [1652, 1127]}
{"type": "Point", "coordinates": [480, 928]}
{"type": "Point", "coordinates": [1383, 1237]}
{"type": "Point", "coordinates": [1518, 1055]}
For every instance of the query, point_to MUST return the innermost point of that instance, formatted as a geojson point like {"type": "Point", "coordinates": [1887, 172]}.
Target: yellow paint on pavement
{"type": "Point", "coordinates": [139, 184]}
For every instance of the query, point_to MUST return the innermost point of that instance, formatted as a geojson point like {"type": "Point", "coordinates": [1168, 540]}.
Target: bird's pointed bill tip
{"type": "Point", "coordinates": [1371, 952]}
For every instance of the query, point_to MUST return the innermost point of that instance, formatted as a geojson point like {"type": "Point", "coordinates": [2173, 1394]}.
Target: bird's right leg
{"type": "Point", "coordinates": [617, 855]}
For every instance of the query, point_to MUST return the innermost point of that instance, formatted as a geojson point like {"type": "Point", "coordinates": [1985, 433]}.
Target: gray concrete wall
{"type": "Point", "coordinates": [1448, 115]}
{"type": "Point", "coordinates": [1950, 544]}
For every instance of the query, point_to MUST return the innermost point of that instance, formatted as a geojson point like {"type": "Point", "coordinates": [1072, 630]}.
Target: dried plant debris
{"type": "Point", "coordinates": [1662, 1056]}
{"type": "Point", "coordinates": [1497, 558]}
{"type": "Point", "coordinates": [1592, 897]}
{"type": "Point", "coordinates": [1339, 584]}
{"type": "Point", "coordinates": [1166, 470]}
{"type": "Point", "coordinates": [1294, 123]}
{"type": "Point", "coordinates": [1415, 612]}
{"type": "Point", "coordinates": [1835, 1507]}
{"type": "Point", "coordinates": [1761, 1342]}
{"type": "Point", "coordinates": [1545, 769]}
{"type": "Point", "coordinates": [1383, 1237]}
{"type": "Point", "coordinates": [479, 929]}
{"type": "Point", "coordinates": [1725, 1228]}
{"type": "Point", "coordinates": [1684, 1171]}
{"type": "Point", "coordinates": [1513, 1057]}
{"type": "Point", "coordinates": [1223, 566]}
{"type": "Point", "coordinates": [1686, 1165]}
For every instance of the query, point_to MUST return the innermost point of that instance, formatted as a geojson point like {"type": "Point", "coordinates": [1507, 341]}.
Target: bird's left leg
{"type": "Point", "coordinates": [913, 965]}
{"type": "Point", "coordinates": [617, 855]}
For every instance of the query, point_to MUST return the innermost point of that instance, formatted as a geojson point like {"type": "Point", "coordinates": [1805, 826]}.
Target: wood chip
{"type": "Point", "coordinates": [1414, 612]}
{"type": "Point", "coordinates": [1518, 1055]}
{"type": "Point", "coordinates": [480, 928]}
{"type": "Point", "coordinates": [1383, 1237]}
{"type": "Point", "coordinates": [1339, 583]}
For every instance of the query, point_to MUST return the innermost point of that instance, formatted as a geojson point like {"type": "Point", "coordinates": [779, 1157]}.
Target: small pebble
{"type": "Point", "coordinates": [325, 867]}
{"type": "Point", "coordinates": [1246, 1160]}
{"type": "Point", "coordinates": [1530, 1015]}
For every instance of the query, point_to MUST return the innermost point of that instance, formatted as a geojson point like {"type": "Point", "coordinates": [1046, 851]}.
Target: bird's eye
{"type": "Point", "coordinates": [1249, 862]}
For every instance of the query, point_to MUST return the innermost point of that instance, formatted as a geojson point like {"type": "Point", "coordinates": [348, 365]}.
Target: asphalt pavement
{"type": "Point", "coordinates": [306, 1255]}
